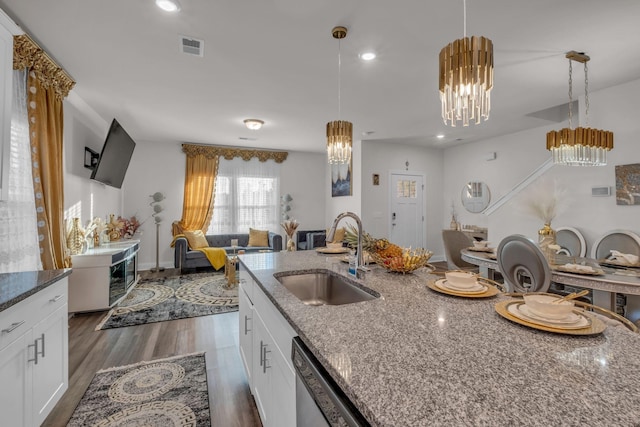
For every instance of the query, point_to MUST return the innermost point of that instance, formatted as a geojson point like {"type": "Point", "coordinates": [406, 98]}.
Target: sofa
{"type": "Point", "coordinates": [186, 259]}
{"type": "Point", "coordinates": [309, 239]}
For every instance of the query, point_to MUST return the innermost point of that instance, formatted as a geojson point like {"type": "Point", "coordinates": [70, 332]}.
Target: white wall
{"type": "Point", "coordinates": [84, 198]}
{"type": "Point", "coordinates": [384, 157]}
{"type": "Point", "coordinates": [519, 154]}
{"type": "Point", "coordinates": [302, 176]}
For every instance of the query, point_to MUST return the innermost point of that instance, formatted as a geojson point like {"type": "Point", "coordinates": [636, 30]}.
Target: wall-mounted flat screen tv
{"type": "Point", "coordinates": [115, 156]}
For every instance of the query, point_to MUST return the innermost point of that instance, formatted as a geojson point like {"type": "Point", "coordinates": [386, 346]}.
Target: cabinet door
{"type": "Point", "coordinates": [246, 334]}
{"type": "Point", "coordinates": [15, 390]}
{"type": "Point", "coordinates": [261, 389]}
{"type": "Point", "coordinates": [282, 410]}
{"type": "Point", "coordinates": [51, 373]}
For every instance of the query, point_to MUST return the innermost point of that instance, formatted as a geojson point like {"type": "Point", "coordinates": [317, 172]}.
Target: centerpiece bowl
{"type": "Point", "coordinates": [410, 260]}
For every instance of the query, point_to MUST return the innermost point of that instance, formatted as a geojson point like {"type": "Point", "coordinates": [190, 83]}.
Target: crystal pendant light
{"type": "Point", "coordinates": [339, 132]}
{"type": "Point", "coordinates": [466, 78]}
{"type": "Point", "coordinates": [579, 146]}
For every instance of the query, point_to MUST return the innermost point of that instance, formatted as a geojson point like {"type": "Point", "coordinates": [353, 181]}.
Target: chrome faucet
{"type": "Point", "coordinates": [332, 232]}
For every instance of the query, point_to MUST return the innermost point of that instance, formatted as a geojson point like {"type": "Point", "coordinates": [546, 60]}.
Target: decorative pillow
{"type": "Point", "coordinates": [259, 238]}
{"type": "Point", "coordinates": [196, 239]}
{"type": "Point", "coordinates": [338, 237]}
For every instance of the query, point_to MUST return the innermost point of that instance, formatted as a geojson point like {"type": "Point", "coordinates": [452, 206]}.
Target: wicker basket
{"type": "Point", "coordinates": [411, 260]}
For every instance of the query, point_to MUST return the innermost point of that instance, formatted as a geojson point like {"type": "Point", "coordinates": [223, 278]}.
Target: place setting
{"type": "Point", "coordinates": [619, 259]}
{"type": "Point", "coordinates": [551, 313]}
{"type": "Point", "coordinates": [464, 284]}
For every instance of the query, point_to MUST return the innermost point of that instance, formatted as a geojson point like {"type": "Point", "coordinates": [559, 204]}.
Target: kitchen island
{"type": "Point", "coordinates": [416, 357]}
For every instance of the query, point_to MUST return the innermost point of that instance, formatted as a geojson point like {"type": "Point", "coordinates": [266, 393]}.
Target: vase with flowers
{"type": "Point", "coordinates": [290, 226]}
{"type": "Point", "coordinates": [543, 202]}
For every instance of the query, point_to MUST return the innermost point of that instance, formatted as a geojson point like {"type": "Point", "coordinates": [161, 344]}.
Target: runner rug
{"type": "Point", "coordinates": [161, 393]}
{"type": "Point", "coordinates": [170, 298]}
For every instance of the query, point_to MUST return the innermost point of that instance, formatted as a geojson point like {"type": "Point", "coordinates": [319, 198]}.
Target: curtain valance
{"type": "Point", "coordinates": [27, 54]}
{"type": "Point", "coordinates": [229, 153]}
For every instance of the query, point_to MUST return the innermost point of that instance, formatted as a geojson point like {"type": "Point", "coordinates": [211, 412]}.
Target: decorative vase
{"type": "Point", "coordinates": [76, 242]}
{"type": "Point", "coordinates": [454, 224]}
{"type": "Point", "coordinates": [291, 244]}
{"type": "Point", "coordinates": [546, 237]}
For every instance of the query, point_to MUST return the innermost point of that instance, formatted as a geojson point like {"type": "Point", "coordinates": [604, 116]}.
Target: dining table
{"type": "Point", "coordinates": [605, 287]}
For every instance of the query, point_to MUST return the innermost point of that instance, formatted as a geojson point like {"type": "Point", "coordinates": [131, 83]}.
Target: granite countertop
{"type": "Point", "coordinates": [416, 357]}
{"type": "Point", "coordinates": [15, 287]}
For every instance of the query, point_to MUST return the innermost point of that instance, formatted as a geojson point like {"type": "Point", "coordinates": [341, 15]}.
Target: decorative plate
{"type": "Point", "coordinates": [574, 321]}
{"type": "Point", "coordinates": [475, 249]}
{"type": "Point", "coordinates": [572, 270]}
{"type": "Point", "coordinates": [489, 292]}
{"type": "Point", "coordinates": [597, 326]}
{"type": "Point", "coordinates": [332, 250]}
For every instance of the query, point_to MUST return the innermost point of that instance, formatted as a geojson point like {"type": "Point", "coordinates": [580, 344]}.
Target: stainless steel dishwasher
{"type": "Point", "coordinates": [319, 400]}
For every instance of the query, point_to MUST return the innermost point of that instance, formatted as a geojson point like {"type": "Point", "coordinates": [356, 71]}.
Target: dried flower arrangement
{"type": "Point", "coordinates": [542, 200]}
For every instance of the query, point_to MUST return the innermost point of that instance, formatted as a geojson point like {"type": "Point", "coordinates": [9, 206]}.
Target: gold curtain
{"type": "Point", "coordinates": [199, 191]}
{"type": "Point", "coordinates": [47, 85]}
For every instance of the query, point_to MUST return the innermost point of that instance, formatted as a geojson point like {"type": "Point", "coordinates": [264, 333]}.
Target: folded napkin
{"type": "Point", "coordinates": [628, 258]}
{"type": "Point", "coordinates": [579, 267]}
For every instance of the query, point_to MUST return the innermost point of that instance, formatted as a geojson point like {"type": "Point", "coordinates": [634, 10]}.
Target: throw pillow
{"type": "Point", "coordinates": [196, 239]}
{"type": "Point", "coordinates": [338, 237]}
{"type": "Point", "coordinates": [258, 238]}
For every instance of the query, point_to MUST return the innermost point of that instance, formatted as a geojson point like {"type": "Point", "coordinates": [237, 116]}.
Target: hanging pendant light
{"type": "Point", "coordinates": [466, 78]}
{"type": "Point", "coordinates": [579, 146]}
{"type": "Point", "coordinates": [339, 132]}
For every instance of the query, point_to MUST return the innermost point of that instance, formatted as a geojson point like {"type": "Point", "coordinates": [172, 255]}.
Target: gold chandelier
{"type": "Point", "coordinates": [466, 78]}
{"type": "Point", "coordinates": [579, 146]}
{"type": "Point", "coordinates": [339, 132]}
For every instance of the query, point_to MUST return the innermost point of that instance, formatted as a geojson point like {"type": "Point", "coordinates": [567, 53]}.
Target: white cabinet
{"type": "Point", "coordinates": [266, 353]}
{"type": "Point", "coordinates": [34, 356]}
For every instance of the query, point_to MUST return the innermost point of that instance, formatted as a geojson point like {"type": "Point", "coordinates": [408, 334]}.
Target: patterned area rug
{"type": "Point", "coordinates": [170, 298]}
{"type": "Point", "coordinates": [163, 393]}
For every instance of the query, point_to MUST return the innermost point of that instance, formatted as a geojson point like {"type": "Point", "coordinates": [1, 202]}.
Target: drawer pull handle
{"type": "Point", "coordinates": [56, 298]}
{"type": "Point", "coordinates": [246, 329]}
{"type": "Point", "coordinates": [13, 327]}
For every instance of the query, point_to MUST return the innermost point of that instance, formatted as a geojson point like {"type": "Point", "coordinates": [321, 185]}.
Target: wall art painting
{"type": "Point", "coordinates": [341, 180]}
{"type": "Point", "coordinates": [628, 184]}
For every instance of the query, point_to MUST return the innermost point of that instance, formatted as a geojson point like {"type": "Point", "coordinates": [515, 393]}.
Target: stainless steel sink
{"type": "Point", "coordinates": [324, 287]}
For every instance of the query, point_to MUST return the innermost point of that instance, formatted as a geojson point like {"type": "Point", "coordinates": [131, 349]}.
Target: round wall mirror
{"type": "Point", "coordinates": [475, 196]}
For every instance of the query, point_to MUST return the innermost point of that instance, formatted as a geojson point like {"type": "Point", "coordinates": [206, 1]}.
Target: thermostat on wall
{"type": "Point", "coordinates": [600, 191]}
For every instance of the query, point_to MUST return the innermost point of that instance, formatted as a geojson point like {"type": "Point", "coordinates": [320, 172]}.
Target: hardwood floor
{"type": "Point", "coordinates": [230, 400]}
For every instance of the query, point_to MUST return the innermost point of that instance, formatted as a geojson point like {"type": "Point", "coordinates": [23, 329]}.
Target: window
{"type": "Point", "coordinates": [247, 195]}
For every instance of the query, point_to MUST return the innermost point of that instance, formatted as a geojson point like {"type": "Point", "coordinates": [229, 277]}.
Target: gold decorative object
{"type": "Point", "coordinates": [466, 78]}
{"type": "Point", "coordinates": [410, 260]}
{"type": "Point", "coordinates": [76, 242]}
{"type": "Point", "coordinates": [339, 132]}
{"type": "Point", "coordinates": [579, 146]}
{"type": "Point", "coordinates": [27, 54]}
{"type": "Point", "coordinates": [229, 153]}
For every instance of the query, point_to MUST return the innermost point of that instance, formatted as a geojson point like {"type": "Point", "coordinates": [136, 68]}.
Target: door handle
{"type": "Point", "coordinates": [264, 365]}
{"type": "Point", "coordinates": [35, 352]}
{"type": "Point", "coordinates": [42, 339]}
{"type": "Point", "coordinates": [261, 353]}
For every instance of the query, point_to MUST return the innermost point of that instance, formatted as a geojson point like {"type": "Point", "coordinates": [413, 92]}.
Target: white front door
{"type": "Point", "coordinates": [407, 214]}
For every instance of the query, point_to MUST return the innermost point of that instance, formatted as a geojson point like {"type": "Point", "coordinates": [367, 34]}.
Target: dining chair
{"type": "Point", "coordinates": [571, 242]}
{"type": "Point", "coordinates": [624, 241]}
{"type": "Point", "coordinates": [522, 264]}
{"type": "Point", "coordinates": [455, 241]}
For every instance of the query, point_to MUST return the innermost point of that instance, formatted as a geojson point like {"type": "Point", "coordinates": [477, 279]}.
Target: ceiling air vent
{"type": "Point", "coordinates": [192, 46]}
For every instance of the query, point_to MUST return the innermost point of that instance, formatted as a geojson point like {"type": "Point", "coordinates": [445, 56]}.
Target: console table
{"type": "Point", "coordinates": [103, 276]}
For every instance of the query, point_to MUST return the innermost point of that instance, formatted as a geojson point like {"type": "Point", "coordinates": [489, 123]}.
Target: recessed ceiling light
{"type": "Point", "coordinates": [168, 5]}
{"type": "Point", "coordinates": [253, 124]}
{"type": "Point", "coordinates": [440, 136]}
{"type": "Point", "coordinates": [367, 56]}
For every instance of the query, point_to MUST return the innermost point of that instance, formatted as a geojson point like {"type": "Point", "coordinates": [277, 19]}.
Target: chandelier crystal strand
{"type": "Point", "coordinates": [339, 132]}
{"type": "Point", "coordinates": [466, 78]}
{"type": "Point", "coordinates": [579, 146]}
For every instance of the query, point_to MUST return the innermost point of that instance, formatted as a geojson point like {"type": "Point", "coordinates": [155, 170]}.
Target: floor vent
{"type": "Point", "coordinates": [192, 46]}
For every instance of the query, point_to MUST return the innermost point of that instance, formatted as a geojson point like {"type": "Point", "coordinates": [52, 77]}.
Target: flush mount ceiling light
{"type": "Point", "coordinates": [339, 132]}
{"type": "Point", "coordinates": [579, 146]}
{"type": "Point", "coordinates": [253, 124]}
{"type": "Point", "coordinates": [168, 5]}
{"type": "Point", "coordinates": [466, 78]}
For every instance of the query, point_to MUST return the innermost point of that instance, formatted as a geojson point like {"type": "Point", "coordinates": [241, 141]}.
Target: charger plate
{"type": "Point", "coordinates": [596, 326]}
{"type": "Point", "coordinates": [332, 250]}
{"type": "Point", "coordinates": [565, 269]}
{"type": "Point", "coordinates": [489, 292]}
{"type": "Point", "coordinates": [476, 249]}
